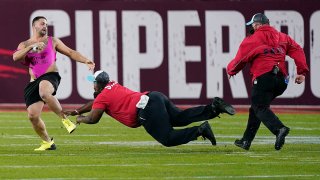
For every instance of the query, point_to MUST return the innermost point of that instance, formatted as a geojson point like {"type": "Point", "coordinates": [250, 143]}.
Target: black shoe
{"type": "Point", "coordinates": [219, 106]}
{"type": "Point", "coordinates": [206, 132]}
{"type": "Point", "coordinates": [244, 144]}
{"type": "Point", "coordinates": [283, 132]}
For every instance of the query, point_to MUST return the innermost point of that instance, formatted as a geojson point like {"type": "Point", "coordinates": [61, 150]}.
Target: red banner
{"type": "Point", "coordinates": [180, 48]}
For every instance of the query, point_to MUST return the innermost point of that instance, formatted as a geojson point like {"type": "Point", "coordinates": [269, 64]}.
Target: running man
{"type": "Point", "coordinates": [39, 54]}
{"type": "Point", "coordinates": [265, 50]}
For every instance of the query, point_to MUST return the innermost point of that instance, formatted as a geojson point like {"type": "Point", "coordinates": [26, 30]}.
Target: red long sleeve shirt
{"type": "Point", "coordinates": [264, 49]}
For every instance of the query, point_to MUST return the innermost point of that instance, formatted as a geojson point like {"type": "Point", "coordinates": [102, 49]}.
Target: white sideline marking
{"type": "Point", "coordinates": [68, 135]}
{"type": "Point", "coordinates": [221, 128]}
{"type": "Point", "coordinates": [214, 128]}
{"type": "Point", "coordinates": [201, 177]}
{"type": "Point", "coordinates": [302, 161]}
{"type": "Point", "coordinates": [258, 138]}
{"type": "Point", "coordinates": [146, 164]}
{"type": "Point", "coordinates": [15, 127]}
{"type": "Point", "coordinates": [262, 140]}
{"type": "Point", "coordinates": [242, 177]}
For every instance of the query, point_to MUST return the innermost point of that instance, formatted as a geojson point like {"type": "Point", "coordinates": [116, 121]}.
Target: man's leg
{"type": "Point", "coordinates": [156, 120]}
{"type": "Point", "coordinates": [250, 132]}
{"type": "Point", "coordinates": [34, 112]}
{"type": "Point", "coordinates": [269, 119]}
{"type": "Point", "coordinates": [46, 90]}
{"type": "Point", "coordinates": [264, 92]}
{"type": "Point", "coordinates": [180, 118]}
{"type": "Point", "coordinates": [185, 117]}
{"type": "Point", "coordinates": [252, 126]}
{"type": "Point", "coordinates": [262, 96]}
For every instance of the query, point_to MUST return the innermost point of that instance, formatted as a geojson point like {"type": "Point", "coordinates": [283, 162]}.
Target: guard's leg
{"type": "Point", "coordinates": [179, 118]}
{"type": "Point", "coordinates": [250, 132]}
{"type": "Point", "coordinates": [156, 120]}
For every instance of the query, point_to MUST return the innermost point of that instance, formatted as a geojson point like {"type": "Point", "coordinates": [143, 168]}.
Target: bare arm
{"type": "Point", "coordinates": [62, 48]}
{"type": "Point", "coordinates": [25, 47]}
{"type": "Point", "coordinates": [92, 118]}
{"type": "Point", "coordinates": [83, 109]}
{"type": "Point", "coordinates": [22, 51]}
{"type": "Point", "coordinates": [20, 54]}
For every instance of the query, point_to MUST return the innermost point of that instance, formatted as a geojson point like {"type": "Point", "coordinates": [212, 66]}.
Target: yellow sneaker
{"type": "Point", "coordinates": [69, 125]}
{"type": "Point", "coordinates": [46, 146]}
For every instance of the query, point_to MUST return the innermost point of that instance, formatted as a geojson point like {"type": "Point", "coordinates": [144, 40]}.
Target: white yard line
{"type": "Point", "coordinates": [261, 140]}
{"type": "Point", "coordinates": [258, 137]}
{"type": "Point", "coordinates": [245, 177]}
{"type": "Point", "coordinates": [194, 177]}
{"type": "Point", "coordinates": [147, 164]}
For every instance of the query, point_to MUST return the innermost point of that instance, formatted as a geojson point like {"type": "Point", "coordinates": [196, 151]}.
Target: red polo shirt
{"type": "Point", "coordinates": [119, 102]}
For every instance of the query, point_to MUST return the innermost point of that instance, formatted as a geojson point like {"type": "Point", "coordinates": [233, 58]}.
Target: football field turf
{"type": "Point", "coordinates": [109, 150]}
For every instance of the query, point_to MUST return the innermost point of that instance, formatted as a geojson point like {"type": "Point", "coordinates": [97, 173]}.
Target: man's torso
{"type": "Point", "coordinates": [119, 102]}
{"type": "Point", "coordinates": [41, 61]}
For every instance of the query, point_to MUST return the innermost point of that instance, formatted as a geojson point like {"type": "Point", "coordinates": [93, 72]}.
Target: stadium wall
{"type": "Point", "coordinates": [180, 48]}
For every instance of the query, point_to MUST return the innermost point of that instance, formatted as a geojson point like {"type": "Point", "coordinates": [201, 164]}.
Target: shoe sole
{"type": "Point", "coordinates": [240, 146]}
{"type": "Point", "coordinates": [52, 147]}
{"type": "Point", "coordinates": [72, 130]}
{"type": "Point", "coordinates": [65, 125]}
{"type": "Point", "coordinates": [229, 109]}
{"type": "Point", "coordinates": [281, 141]}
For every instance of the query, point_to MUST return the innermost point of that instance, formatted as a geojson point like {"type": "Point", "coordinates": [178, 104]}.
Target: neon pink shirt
{"type": "Point", "coordinates": [119, 102]}
{"type": "Point", "coordinates": [40, 62]}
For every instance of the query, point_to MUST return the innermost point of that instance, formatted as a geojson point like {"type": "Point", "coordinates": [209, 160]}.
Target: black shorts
{"type": "Point", "coordinates": [31, 91]}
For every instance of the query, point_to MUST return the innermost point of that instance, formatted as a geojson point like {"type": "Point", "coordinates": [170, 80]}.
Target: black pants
{"type": "Point", "coordinates": [161, 115]}
{"type": "Point", "coordinates": [265, 89]}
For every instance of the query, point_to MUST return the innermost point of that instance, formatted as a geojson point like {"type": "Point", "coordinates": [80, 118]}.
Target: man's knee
{"type": "Point", "coordinates": [45, 96]}
{"type": "Point", "coordinates": [33, 116]}
{"type": "Point", "coordinates": [45, 90]}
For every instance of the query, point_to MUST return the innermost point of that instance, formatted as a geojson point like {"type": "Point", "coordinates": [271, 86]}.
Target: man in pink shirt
{"type": "Point", "coordinates": [39, 54]}
{"type": "Point", "coordinates": [153, 110]}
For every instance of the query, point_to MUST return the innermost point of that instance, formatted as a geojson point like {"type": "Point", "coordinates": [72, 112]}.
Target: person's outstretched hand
{"type": "Point", "coordinates": [70, 113]}
{"type": "Point", "coordinates": [91, 65]}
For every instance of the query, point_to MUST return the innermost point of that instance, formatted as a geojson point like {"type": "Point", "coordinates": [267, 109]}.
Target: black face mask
{"type": "Point", "coordinates": [101, 87]}
{"type": "Point", "coordinates": [251, 30]}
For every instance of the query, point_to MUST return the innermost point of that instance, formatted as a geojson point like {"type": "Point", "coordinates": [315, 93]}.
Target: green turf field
{"type": "Point", "coordinates": [109, 150]}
